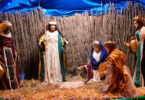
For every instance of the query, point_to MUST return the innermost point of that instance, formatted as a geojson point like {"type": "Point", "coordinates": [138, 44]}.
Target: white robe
{"type": "Point", "coordinates": [52, 61]}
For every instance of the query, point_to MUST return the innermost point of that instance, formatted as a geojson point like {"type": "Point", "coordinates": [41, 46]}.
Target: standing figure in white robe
{"type": "Point", "coordinates": [51, 67]}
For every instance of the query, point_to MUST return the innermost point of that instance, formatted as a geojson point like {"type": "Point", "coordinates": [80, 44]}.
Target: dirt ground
{"type": "Point", "coordinates": [34, 90]}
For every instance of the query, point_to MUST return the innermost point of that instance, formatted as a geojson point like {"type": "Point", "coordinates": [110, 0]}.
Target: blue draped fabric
{"type": "Point", "coordinates": [62, 7]}
{"type": "Point", "coordinates": [103, 55]}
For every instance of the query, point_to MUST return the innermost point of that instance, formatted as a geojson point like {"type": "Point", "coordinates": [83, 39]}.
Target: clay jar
{"type": "Point", "coordinates": [1, 72]}
{"type": "Point", "coordinates": [133, 45]}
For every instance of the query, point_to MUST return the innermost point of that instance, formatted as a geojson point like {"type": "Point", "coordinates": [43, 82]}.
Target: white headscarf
{"type": "Point", "coordinates": [96, 43]}
{"type": "Point", "coordinates": [52, 23]}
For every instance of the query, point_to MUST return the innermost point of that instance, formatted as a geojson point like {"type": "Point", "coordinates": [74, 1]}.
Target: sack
{"type": "Point", "coordinates": [102, 68]}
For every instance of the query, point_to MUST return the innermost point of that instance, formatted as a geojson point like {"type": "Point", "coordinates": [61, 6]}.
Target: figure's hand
{"type": "Point", "coordinates": [126, 44]}
{"type": "Point", "coordinates": [65, 42]}
{"type": "Point", "coordinates": [80, 68]}
{"type": "Point", "coordinates": [44, 40]}
{"type": "Point", "coordinates": [88, 61]}
{"type": "Point", "coordinates": [16, 52]}
{"type": "Point", "coordinates": [63, 39]}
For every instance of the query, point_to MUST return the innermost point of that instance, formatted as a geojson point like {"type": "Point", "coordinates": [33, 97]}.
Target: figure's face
{"type": "Point", "coordinates": [52, 27]}
{"type": "Point", "coordinates": [97, 48]}
{"type": "Point", "coordinates": [107, 49]}
{"type": "Point", "coordinates": [135, 24]}
{"type": "Point", "coordinates": [6, 30]}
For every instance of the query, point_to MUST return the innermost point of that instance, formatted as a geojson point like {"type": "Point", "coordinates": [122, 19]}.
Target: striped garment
{"type": "Point", "coordinates": [10, 78]}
